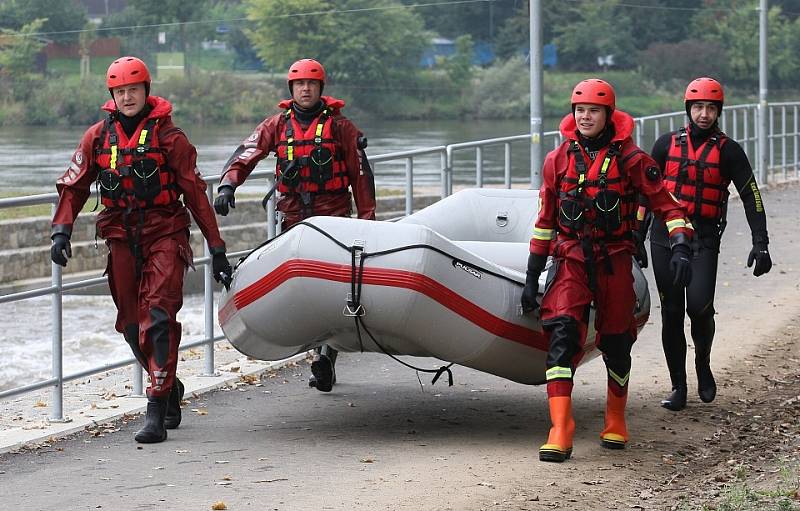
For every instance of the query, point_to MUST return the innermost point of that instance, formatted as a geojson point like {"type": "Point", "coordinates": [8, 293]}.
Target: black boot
{"type": "Point", "coordinates": [173, 417]}
{"type": "Point", "coordinates": [153, 430]}
{"type": "Point", "coordinates": [706, 386]}
{"type": "Point", "coordinates": [323, 369]}
{"type": "Point", "coordinates": [703, 328]}
{"type": "Point", "coordinates": [677, 400]}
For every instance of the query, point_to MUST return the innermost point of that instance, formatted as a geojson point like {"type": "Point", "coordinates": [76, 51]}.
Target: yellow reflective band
{"type": "Point", "coordinates": [319, 129]}
{"type": "Point", "coordinates": [555, 373]}
{"type": "Point", "coordinates": [619, 379]}
{"type": "Point", "coordinates": [606, 162]}
{"type": "Point", "coordinates": [581, 179]}
{"type": "Point", "coordinates": [640, 213]}
{"type": "Point", "coordinates": [544, 234]}
{"type": "Point", "coordinates": [675, 224]}
{"type": "Point", "coordinates": [113, 156]}
{"type": "Point", "coordinates": [142, 137]}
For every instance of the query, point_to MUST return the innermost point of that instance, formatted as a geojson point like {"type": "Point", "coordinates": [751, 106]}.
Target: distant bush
{"type": "Point", "coordinates": [683, 61]}
{"type": "Point", "coordinates": [220, 97]}
{"type": "Point", "coordinates": [67, 101]}
{"type": "Point", "coordinates": [501, 91]}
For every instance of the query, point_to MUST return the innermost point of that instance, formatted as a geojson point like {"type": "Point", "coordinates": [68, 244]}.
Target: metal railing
{"type": "Point", "coordinates": [739, 121]}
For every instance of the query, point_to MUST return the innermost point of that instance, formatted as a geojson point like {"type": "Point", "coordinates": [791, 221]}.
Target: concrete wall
{"type": "Point", "coordinates": [25, 254]}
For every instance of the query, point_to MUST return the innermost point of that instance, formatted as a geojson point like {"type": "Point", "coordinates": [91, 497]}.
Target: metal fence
{"type": "Point", "coordinates": [740, 122]}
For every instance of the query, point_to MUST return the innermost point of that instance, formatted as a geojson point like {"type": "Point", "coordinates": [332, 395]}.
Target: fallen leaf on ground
{"type": "Point", "coordinates": [218, 506]}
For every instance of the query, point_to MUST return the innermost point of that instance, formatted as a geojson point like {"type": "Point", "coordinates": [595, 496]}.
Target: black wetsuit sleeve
{"type": "Point", "coordinates": [661, 150]}
{"type": "Point", "coordinates": [736, 166]}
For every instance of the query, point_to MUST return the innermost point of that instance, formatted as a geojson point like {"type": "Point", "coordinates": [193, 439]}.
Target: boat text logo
{"type": "Point", "coordinates": [469, 269]}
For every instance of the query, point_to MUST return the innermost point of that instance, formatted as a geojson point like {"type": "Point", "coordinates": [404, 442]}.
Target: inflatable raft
{"type": "Point", "coordinates": [444, 282]}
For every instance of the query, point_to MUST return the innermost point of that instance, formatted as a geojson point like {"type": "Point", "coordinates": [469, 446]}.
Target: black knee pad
{"type": "Point", "coordinates": [158, 334]}
{"type": "Point", "coordinates": [131, 334]}
{"type": "Point", "coordinates": [564, 340]}
{"type": "Point", "coordinates": [616, 350]}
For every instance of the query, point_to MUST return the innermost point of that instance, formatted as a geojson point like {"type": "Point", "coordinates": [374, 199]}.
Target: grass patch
{"type": "Point", "coordinates": [39, 210]}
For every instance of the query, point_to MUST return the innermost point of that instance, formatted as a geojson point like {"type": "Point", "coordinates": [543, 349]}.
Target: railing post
{"type": "Point", "coordinates": [771, 138]}
{"type": "Point", "coordinates": [507, 163]}
{"type": "Point", "coordinates": [449, 169]}
{"type": "Point", "coordinates": [57, 411]}
{"type": "Point", "coordinates": [409, 185]}
{"type": "Point", "coordinates": [783, 140]}
{"type": "Point", "coordinates": [208, 308]}
{"type": "Point", "coordinates": [794, 140]}
{"type": "Point", "coordinates": [443, 169]}
{"type": "Point", "coordinates": [638, 127]}
{"type": "Point", "coordinates": [479, 167]}
{"type": "Point", "coordinates": [746, 127]}
{"type": "Point", "coordinates": [137, 381]}
{"type": "Point", "coordinates": [656, 130]}
{"type": "Point", "coordinates": [271, 216]}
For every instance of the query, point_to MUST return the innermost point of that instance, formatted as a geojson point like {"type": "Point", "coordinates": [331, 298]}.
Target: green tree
{"type": "Point", "coordinates": [597, 28]}
{"type": "Point", "coordinates": [61, 16]}
{"type": "Point", "coordinates": [736, 30]}
{"type": "Point", "coordinates": [18, 49]}
{"type": "Point", "coordinates": [233, 33]}
{"type": "Point", "coordinates": [480, 20]}
{"type": "Point", "coordinates": [514, 36]}
{"type": "Point", "coordinates": [459, 66]}
{"type": "Point", "coordinates": [374, 48]}
{"type": "Point", "coordinates": [176, 18]}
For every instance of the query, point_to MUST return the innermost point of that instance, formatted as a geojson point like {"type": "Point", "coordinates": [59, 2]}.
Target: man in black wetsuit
{"type": "Point", "coordinates": [698, 163]}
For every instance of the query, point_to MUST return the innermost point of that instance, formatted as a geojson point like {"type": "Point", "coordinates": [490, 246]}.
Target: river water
{"type": "Point", "coordinates": [32, 158]}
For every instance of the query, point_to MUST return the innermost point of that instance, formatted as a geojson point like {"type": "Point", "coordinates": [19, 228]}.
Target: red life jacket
{"type": "Point", "coordinates": [134, 176]}
{"type": "Point", "coordinates": [310, 160]}
{"type": "Point", "coordinates": [696, 181]}
{"type": "Point", "coordinates": [594, 199]}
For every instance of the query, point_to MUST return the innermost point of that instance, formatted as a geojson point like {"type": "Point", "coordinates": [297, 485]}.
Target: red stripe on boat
{"type": "Point", "coordinates": [391, 278]}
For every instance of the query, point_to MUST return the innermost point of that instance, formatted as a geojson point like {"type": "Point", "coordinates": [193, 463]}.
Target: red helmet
{"type": "Point", "coordinates": [594, 91]}
{"type": "Point", "coordinates": [127, 71]}
{"type": "Point", "coordinates": [704, 89]}
{"type": "Point", "coordinates": [306, 69]}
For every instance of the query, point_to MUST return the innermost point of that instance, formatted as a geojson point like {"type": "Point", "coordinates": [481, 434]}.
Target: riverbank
{"type": "Point", "coordinates": [498, 92]}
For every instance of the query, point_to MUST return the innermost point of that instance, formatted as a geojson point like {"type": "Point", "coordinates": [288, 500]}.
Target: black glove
{"type": "Point", "coordinates": [60, 250]}
{"type": "Point", "coordinates": [221, 269]}
{"type": "Point", "coordinates": [224, 199]}
{"type": "Point", "coordinates": [759, 255]}
{"type": "Point", "coordinates": [536, 264]}
{"type": "Point", "coordinates": [681, 265]}
{"type": "Point", "coordinates": [640, 253]}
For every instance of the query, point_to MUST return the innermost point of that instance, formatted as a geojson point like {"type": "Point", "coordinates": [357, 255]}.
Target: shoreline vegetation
{"type": "Point", "coordinates": [497, 92]}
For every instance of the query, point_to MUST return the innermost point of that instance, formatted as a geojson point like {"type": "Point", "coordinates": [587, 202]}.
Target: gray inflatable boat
{"type": "Point", "coordinates": [444, 282]}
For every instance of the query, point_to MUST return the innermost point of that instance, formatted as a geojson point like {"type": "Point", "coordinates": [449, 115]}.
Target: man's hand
{"type": "Point", "coordinates": [640, 253]}
{"type": "Point", "coordinates": [60, 250]}
{"type": "Point", "coordinates": [536, 264]}
{"type": "Point", "coordinates": [759, 255]}
{"type": "Point", "coordinates": [681, 265]}
{"type": "Point", "coordinates": [221, 269]}
{"type": "Point", "coordinates": [225, 199]}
